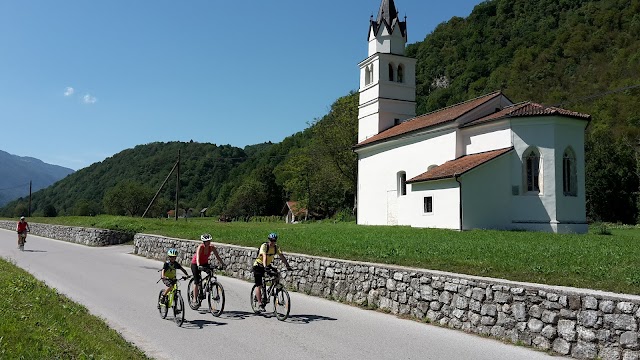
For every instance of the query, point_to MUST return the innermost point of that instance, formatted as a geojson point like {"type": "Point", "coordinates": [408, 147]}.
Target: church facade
{"type": "Point", "coordinates": [484, 163]}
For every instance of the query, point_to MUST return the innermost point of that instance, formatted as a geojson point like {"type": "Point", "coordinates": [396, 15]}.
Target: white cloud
{"type": "Point", "coordinates": [88, 99]}
{"type": "Point", "coordinates": [69, 91]}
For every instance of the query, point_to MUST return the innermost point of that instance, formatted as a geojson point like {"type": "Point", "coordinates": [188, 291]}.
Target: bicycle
{"type": "Point", "coordinates": [173, 301]}
{"type": "Point", "coordinates": [210, 289]}
{"type": "Point", "coordinates": [275, 291]}
{"type": "Point", "coordinates": [22, 238]}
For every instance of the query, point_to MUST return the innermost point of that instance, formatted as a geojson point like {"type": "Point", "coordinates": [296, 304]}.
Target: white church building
{"type": "Point", "coordinates": [485, 163]}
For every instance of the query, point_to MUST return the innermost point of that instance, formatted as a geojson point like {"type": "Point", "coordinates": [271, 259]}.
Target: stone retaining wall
{"type": "Point", "coordinates": [79, 235]}
{"type": "Point", "coordinates": [580, 323]}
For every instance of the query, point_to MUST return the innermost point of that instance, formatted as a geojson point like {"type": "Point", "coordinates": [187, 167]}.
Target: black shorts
{"type": "Point", "coordinates": [196, 273]}
{"type": "Point", "coordinates": [169, 282]}
{"type": "Point", "coordinates": [258, 274]}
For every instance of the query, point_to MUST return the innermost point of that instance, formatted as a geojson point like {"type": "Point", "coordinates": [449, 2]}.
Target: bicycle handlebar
{"type": "Point", "coordinates": [176, 279]}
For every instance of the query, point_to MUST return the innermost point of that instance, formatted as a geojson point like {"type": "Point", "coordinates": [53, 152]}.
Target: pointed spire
{"type": "Point", "coordinates": [387, 12]}
{"type": "Point", "coordinates": [388, 17]}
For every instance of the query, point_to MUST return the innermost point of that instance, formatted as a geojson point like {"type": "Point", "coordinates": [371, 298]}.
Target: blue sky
{"type": "Point", "coordinates": [83, 80]}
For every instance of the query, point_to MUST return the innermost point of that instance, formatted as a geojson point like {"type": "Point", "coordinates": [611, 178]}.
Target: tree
{"type": "Point", "coordinates": [128, 198]}
{"type": "Point", "coordinates": [247, 200]}
{"type": "Point", "coordinates": [49, 211]}
{"type": "Point", "coordinates": [611, 182]}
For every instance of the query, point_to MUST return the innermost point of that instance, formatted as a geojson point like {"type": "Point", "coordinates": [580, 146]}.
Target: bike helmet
{"type": "Point", "coordinates": [172, 252]}
{"type": "Point", "coordinates": [205, 237]}
{"type": "Point", "coordinates": [273, 237]}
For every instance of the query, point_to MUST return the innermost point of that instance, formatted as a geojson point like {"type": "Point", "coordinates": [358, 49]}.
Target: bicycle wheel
{"type": "Point", "coordinates": [194, 304]}
{"type": "Point", "coordinates": [255, 302]}
{"type": "Point", "coordinates": [281, 303]}
{"type": "Point", "coordinates": [215, 296]}
{"type": "Point", "coordinates": [162, 308]}
{"type": "Point", "coordinates": [178, 309]}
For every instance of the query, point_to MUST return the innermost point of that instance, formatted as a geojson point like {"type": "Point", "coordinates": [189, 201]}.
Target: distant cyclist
{"type": "Point", "coordinates": [200, 260]}
{"type": "Point", "coordinates": [169, 272]}
{"type": "Point", "coordinates": [267, 252]}
{"type": "Point", "coordinates": [22, 228]}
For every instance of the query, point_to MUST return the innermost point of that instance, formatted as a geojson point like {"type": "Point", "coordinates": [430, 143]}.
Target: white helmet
{"type": "Point", "coordinates": [205, 237]}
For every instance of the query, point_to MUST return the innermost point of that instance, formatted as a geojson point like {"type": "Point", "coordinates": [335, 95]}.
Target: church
{"type": "Point", "coordinates": [486, 163]}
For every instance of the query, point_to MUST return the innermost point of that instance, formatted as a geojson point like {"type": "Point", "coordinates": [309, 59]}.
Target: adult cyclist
{"type": "Point", "coordinates": [267, 252]}
{"type": "Point", "coordinates": [200, 260]}
{"type": "Point", "coordinates": [22, 228]}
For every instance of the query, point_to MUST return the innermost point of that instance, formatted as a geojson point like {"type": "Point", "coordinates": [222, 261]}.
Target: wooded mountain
{"type": "Point", "coordinates": [577, 54]}
{"type": "Point", "coordinates": [17, 171]}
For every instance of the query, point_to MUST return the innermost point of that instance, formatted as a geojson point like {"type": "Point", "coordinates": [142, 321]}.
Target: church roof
{"type": "Point", "coordinates": [437, 117]}
{"type": "Point", "coordinates": [459, 166]}
{"type": "Point", "coordinates": [527, 108]}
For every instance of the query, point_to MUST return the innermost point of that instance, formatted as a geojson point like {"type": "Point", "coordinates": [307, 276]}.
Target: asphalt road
{"type": "Point", "coordinates": [121, 288]}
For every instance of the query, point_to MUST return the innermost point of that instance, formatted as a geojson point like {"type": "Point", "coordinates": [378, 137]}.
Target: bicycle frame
{"type": "Point", "coordinates": [172, 293]}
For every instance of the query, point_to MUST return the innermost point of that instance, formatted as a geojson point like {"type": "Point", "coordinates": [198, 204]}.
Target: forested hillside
{"type": "Point", "coordinates": [577, 54]}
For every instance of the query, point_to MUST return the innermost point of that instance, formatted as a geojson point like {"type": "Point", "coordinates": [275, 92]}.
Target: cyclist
{"type": "Point", "coordinates": [169, 272]}
{"type": "Point", "coordinates": [22, 228]}
{"type": "Point", "coordinates": [267, 252]}
{"type": "Point", "coordinates": [200, 260]}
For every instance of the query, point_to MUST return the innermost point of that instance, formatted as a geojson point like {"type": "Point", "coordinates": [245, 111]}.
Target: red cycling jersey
{"type": "Point", "coordinates": [22, 226]}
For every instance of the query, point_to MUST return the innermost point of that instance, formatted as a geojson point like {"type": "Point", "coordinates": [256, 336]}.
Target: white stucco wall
{"type": "Point", "coordinates": [486, 195]}
{"type": "Point", "coordinates": [571, 209]}
{"type": "Point", "coordinates": [378, 167]}
{"type": "Point", "coordinates": [534, 207]}
{"type": "Point", "coordinates": [483, 138]}
{"type": "Point", "coordinates": [446, 205]}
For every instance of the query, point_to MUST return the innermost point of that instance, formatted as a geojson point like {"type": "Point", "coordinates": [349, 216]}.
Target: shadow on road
{"type": "Point", "coordinates": [236, 315]}
{"type": "Point", "coordinates": [305, 319]}
{"type": "Point", "coordinates": [28, 250]}
{"type": "Point", "coordinates": [200, 324]}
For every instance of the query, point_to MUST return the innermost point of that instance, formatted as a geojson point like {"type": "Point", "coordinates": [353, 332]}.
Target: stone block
{"type": "Point", "coordinates": [561, 346]}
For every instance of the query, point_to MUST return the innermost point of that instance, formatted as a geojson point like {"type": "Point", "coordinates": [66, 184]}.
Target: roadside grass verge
{"type": "Point", "coordinates": [604, 260]}
{"type": "Point", "coordinates": [39, 323]}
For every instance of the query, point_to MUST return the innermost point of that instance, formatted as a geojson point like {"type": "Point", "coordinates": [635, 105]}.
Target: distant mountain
{"type": "Point", "coordinates": [17, 171]}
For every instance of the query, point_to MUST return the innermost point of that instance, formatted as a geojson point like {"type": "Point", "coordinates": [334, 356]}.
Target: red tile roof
{"type": "Point", "coordinates": [528, 109]}
{"type": "Point", "coordinates": [459, 166]}
{"type": "Point", "coordinates": [438, 117]}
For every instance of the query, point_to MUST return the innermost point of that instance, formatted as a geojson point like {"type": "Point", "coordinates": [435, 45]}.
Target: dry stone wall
{"type": "Point", "coordinates": [579, 323]}
{"type": "Point", "coordinates": [74, 234]}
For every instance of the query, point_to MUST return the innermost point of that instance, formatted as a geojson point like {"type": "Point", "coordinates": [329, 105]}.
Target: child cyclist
{"type": "Point", "coordinates": [169, 272]}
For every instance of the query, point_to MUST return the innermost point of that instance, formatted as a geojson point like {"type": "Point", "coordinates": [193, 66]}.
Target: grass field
{"type": "Point", "coordinates": [38, 323]}
{"type": "Point", "coordinates": [604, 262]}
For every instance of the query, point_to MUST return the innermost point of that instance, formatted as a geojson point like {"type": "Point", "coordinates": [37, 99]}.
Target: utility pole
{"type": "Point", "coordinates": [177, 186]}
{"type": "Point", "coordinates": [29, 212]}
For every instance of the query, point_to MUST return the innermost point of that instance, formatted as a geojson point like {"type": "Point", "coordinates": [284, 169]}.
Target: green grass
{"type": "Point", "coordinates": [604, 262]}
{"type": "Point", "coordinates": [38, 323]}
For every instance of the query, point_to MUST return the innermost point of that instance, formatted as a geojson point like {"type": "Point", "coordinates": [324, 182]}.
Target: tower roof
{"type": "Point", "coordinates": [388, 16]}
{"type": "Point", "coordinates": [387, 11]}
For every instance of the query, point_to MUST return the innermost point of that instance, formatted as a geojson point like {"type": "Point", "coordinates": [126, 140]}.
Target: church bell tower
{"type": "Point", "coordinates": [387, 77]}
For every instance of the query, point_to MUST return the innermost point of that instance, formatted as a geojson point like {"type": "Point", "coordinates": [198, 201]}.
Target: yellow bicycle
{"type": "Point", "coordinates": [173, 301]}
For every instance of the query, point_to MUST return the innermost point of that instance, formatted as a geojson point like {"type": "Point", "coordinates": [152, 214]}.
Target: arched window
{"type": "Point", "coordinates": [400, 73]}
{"type": "Point", "coordinates": [532, 170]}
{"type": "Point", "coordinates": [402, 183]}
{"type": "Point", "coordinates": [569, 177]}
{"type": "Point", "coordinates": [390, 72]}
{"type": "Point", "coordinates": [368, 74]}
